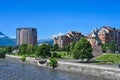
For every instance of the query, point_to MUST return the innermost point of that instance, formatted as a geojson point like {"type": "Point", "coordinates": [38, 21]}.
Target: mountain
{"type": "Point", "coordinates": [6, 41]}
{"type": "Point", "coordinates": [48, 41]}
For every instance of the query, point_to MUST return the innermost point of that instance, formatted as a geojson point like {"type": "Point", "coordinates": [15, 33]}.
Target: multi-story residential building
{"type": "Point", "coordinates": [64, 40]}
{"type": "Point", "coordinates": [93, 38]}
{"type": "Point", "coordinates": [108, 34]}
{"type": "Point", "coordinates": [26, 36]}
{"type": "Point", "coordinates": [104, 35]}
{"type": "Point", "coordinates": [117, 38]}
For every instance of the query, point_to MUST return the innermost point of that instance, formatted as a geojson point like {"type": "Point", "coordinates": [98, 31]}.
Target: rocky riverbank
{"type": "Point", "coordinates": [96, 70]}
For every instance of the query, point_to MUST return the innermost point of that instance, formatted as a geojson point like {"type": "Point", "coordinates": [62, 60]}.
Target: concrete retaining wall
{"type": "Point", "coordinates": [96, 70]}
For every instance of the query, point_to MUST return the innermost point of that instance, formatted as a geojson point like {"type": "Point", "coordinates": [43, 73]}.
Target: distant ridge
{"type": "Point", "coordinates": [48, 41]}
{"type": "Point", "coordinates": [6, 41]}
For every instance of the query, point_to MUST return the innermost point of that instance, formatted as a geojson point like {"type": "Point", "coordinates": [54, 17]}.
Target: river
{"type": "Point", "coordinates": [14, 70]}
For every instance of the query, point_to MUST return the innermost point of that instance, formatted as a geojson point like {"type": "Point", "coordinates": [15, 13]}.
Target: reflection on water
{"type": "Point", "coordinates": [11, 70]}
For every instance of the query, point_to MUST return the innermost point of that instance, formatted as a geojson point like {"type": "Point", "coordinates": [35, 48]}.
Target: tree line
{"type": "Point", "coordinates": [79, 50]}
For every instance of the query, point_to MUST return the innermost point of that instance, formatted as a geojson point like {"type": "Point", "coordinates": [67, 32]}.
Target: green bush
{"type": "Point", "coordinates": [23, 58]}
{"type": "Point", "coordinates": [55, 55]}
{"type": "Point", "coordinates": [2, 53]}
{"type": "Point", "coordinates": [53, 63]}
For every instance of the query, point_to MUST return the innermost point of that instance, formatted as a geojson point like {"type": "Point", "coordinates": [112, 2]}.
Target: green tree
{"type": "Point", "coordinates": [109, 46]}
{"type": "Point", "coordinates": [56, 47]}
{"type": "Point", "coordinates": [112, 46]}
{"type": "Point", "coordinates": [43, 51]}
{"type": "Point", "coordinates": [105, 47]}
{"type": "Point", "coordinates": [51, 47]}
{"type": "Point", "coordinates": [29, 49]}
{"type": "Point", "coordinates": [71, 47]}
{"type": "Point", "coordinates": [34, 48]}
{"type": "Point", "coordinates": [68, 49]}
{"type": "Point", "coordinates": [37, 51]}
{"type": "Point", "coordinates": [8, 49]}
{"type": "Point", "coordinates": [119, 48]}
{"type": "Point", "coordinates": [2, 53]}
{"type": "Point", "coordinates": [82, 50]}
{"type": "Point", "coordinates": [23, 49]}
{"type": "Point", "coordinates": [63, 48]}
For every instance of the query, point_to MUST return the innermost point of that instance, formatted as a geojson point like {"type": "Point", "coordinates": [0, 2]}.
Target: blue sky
{"type": "Point", "coordinates": [58, 16]}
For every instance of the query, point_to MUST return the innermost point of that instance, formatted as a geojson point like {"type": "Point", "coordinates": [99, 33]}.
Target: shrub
{"type": "Point", "coordinates": [2, 53]}
{"type": "Point", "coordinates": [23, 58]}
{"type": "Point", "coordinates": [55, 55]}
{"type": "Point", "coordinates": [53, 63]}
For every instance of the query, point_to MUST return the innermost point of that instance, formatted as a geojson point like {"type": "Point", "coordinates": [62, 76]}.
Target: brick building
{"type": "Point", "coordinates": [103, 35]}
{"type": "Point", "coordinates": [106, 34]}
{"type": "Point", "coordinates": [64, 40]}
{"type": "Point", "coordinates": [93, 38]}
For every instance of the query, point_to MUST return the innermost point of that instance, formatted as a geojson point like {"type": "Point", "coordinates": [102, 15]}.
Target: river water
{"type": "Point", "coordinates": [13, 70]}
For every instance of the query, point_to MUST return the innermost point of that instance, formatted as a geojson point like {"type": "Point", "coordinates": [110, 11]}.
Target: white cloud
{"type": "Point", "coordinates": [1, 36]}
{"type": "Point", "coordinates": [56, 35]}
{"type": "Point", "coordinates": [13, 37]}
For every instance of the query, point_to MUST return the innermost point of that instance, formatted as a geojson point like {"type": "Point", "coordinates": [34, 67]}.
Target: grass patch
{"type": "Point", "coordinates": [61, 53]}
{"type": "Point", "coordinates": [27, 55]}
{"type": "Point", "coordinates": [109, 59]}
{"type": "Point", "coordinates": [31, 55]}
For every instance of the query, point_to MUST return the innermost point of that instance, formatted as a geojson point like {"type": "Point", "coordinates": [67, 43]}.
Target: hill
{"type": "Point", "coordinates": [6, 41]}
